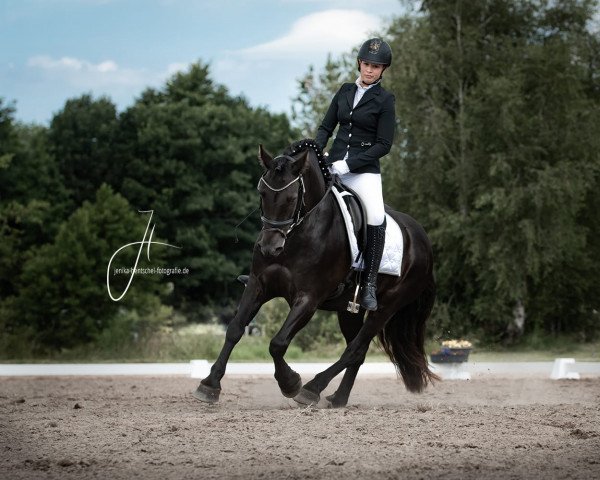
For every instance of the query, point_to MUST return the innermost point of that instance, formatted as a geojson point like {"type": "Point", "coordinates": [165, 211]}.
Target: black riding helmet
{"type": "Point", "coordinates": [376, 51]}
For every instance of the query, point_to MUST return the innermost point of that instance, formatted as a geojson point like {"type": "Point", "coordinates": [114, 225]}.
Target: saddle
{"type": "Point", "coordinates": [356, 211]}
{"type": "Point", "coordinates": [359, 227]}
{"type": "Point", "coordinates": [356, 227]}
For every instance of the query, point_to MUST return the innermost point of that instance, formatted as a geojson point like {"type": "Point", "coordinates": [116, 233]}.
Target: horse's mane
{"type": "Point", "coordinates": [304, 144]}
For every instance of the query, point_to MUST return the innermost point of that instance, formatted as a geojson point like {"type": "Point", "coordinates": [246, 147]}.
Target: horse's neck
{"type": "Point", "coordinates": [314, 183]}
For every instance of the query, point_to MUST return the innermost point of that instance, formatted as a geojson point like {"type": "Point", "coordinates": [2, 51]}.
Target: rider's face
{"type": "Point", "coordinates": [370, 72]}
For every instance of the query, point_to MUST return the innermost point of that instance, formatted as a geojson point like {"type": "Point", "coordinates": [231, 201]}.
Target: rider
{"type": "Point", "coordinates": [366, 116]}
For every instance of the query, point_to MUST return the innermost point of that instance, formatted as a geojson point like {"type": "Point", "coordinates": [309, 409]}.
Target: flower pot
{"type": "Point", "coordinates": [451, 355]}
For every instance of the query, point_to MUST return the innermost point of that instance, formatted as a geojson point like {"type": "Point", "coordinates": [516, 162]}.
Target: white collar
{"type": "Point", "coordinates": [359, 84]}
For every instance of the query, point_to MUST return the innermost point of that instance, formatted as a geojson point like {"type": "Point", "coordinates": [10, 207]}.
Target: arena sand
{"type": "Point", "coordinates": [152, 428]}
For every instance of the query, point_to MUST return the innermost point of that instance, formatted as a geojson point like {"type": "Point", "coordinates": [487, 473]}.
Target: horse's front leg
{"type": "Point", "coordinates": [301, 312]}
{"type": "Point", "coordinates": [252, 299]}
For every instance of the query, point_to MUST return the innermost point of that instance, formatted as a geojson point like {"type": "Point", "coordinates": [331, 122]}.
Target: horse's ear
{"type": "Point", "coordinates": [264, 157]}
{"type": "Point", "coordinates": [300, 164]}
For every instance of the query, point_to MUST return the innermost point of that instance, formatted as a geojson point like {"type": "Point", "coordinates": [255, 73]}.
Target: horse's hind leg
{"type": "Point", "coordinates": [210, 388]}
{"type": "Point", "coordinates": [302, 311]}
{"type": "Point", "coordinates": [350, 324]}
{"type": "Point", "coordinates": [354, 355]}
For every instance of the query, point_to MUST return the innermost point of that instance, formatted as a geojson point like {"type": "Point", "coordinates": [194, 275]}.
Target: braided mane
{"type": "Point", "coordinates": [304, 144]}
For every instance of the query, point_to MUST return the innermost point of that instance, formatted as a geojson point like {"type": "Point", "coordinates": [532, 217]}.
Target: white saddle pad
{"type": "Point", "coordinates": [391, 261]}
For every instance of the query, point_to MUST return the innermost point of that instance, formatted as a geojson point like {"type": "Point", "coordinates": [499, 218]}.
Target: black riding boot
{"type": "Point", "coordinates": [373, 254]}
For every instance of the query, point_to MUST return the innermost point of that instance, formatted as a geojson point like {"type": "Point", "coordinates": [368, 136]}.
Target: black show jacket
{"type": "Point", "coordinates": [366, 132]}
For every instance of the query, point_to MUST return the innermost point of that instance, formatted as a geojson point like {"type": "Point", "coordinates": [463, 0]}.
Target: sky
{"type": "Point", "coordinates": [53, 50]}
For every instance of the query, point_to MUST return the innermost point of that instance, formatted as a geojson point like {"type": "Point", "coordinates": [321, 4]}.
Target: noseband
{"type": "Point", "coordinates": [278, 225]}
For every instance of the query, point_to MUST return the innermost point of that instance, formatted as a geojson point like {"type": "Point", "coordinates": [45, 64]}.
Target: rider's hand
{"type": "Point", "coordinates": [339, 168]}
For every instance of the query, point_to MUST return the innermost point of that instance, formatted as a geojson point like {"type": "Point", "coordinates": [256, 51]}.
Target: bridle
{"type": "Point", "coordinates": [278, 225]}
{"type": "Point", "coordinates": [291, 223]}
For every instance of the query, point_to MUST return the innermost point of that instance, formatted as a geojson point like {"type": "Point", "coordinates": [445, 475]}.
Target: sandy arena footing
{"type": "Point", "coordinates": [152, 428]}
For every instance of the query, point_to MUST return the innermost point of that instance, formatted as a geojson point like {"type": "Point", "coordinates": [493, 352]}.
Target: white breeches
{"type": "Point", "coordinates": [368, 187]}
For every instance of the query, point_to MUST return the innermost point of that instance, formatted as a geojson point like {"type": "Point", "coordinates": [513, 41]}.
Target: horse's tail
{"type": "Point", "coordinates": [403, 339]}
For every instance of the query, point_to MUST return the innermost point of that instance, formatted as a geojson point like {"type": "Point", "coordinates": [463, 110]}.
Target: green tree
{"type": "Point", "coordinates": [189, 152]}
{"type": "Point", "coordinates": [33, 200]}
{"type": "Point", "coordinates": [497, 103]}
{"type": "Point", "coordinates": [82, 140]}
{"type": "Point", "coordinates": [61, 299]}
{"type": "Point", "coordinates": [316, 91]}
{"type": "Point", "coordinates": [8, 138]}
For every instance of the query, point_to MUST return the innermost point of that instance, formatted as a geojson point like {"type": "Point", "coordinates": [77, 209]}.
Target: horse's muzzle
{"type": "Point", "coordinates": [271, 242]}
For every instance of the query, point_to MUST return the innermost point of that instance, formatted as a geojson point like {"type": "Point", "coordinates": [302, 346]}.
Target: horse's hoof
{"type": "Point", "coordinates": [333, 402]}
{"type": "Point", "coordinates": [292, 392]}
{"type": "Point", "coordinates": [306, 397]}
{"type": "Point", "coordinates": [207, 394]}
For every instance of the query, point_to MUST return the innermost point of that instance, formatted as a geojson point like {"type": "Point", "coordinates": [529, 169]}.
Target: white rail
{"type": "Point", "coordinates": [560, 368]}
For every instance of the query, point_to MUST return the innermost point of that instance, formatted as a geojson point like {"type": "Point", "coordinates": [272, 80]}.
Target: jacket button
{"type": "Point", "coordinates": [348, 147]}
{"type": "Point", "coordinates": [349, 135]}
{"type": "Point", "coordinates": [350, 123]}
{"type": "Point", "coordinates": [362, 144]}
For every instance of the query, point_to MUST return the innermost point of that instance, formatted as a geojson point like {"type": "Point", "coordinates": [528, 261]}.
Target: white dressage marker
{"type": "Point", "coordinates": [562, 368]}
{"type": "Point", "coordinates": [451, 371]}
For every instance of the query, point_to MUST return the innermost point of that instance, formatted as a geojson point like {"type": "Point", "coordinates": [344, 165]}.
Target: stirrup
{"type": "Point", "coordinates": [353, 305]}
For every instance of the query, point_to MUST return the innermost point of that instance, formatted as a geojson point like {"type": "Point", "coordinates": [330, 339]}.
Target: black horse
{"type": "Point", "coordinates": [302, 254]}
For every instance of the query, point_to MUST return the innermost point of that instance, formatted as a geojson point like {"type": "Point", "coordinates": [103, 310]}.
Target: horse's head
{"type": "Point", "coordinates": [281, 189]}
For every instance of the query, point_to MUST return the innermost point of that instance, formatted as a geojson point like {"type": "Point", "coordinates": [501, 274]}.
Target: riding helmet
{"type": "Point", "coordinates": [376, 51]}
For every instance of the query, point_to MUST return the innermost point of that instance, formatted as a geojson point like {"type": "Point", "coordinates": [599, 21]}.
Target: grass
{"type": "Point", "coordinates": [205, 342]}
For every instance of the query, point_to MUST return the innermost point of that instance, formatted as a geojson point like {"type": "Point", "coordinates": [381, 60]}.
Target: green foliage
{"type": "Point", "coordinates": [8, 137]}
{"type": "Point", "coordinates": [33, 200]}
{"type": "Point", "coordinates": [498, 104]}
{"type": "Point", "coordinates": [82, 140]}
{"type": "Point", "coordinates": [61, 295]}
{"type": "Point", "coordinates": [189, 152]}
{"type": "Point", "coordinates": [129, 329]}
{"type": "Point", "coordinates": [497, 154]}
{"type": "Point", "coordinates": [322, 333]}
{"type": "Point", "coordinates": [315, 92]}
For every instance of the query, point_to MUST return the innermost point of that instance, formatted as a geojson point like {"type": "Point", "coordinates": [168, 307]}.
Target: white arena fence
{"type": "Point", "coordinates": [561, 368]}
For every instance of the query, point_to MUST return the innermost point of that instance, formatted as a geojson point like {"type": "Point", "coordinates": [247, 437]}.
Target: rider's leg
{"type": "Point", "coordinates": [368, 187]}
{"type": "Point", "coordinates": [373, 254]}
